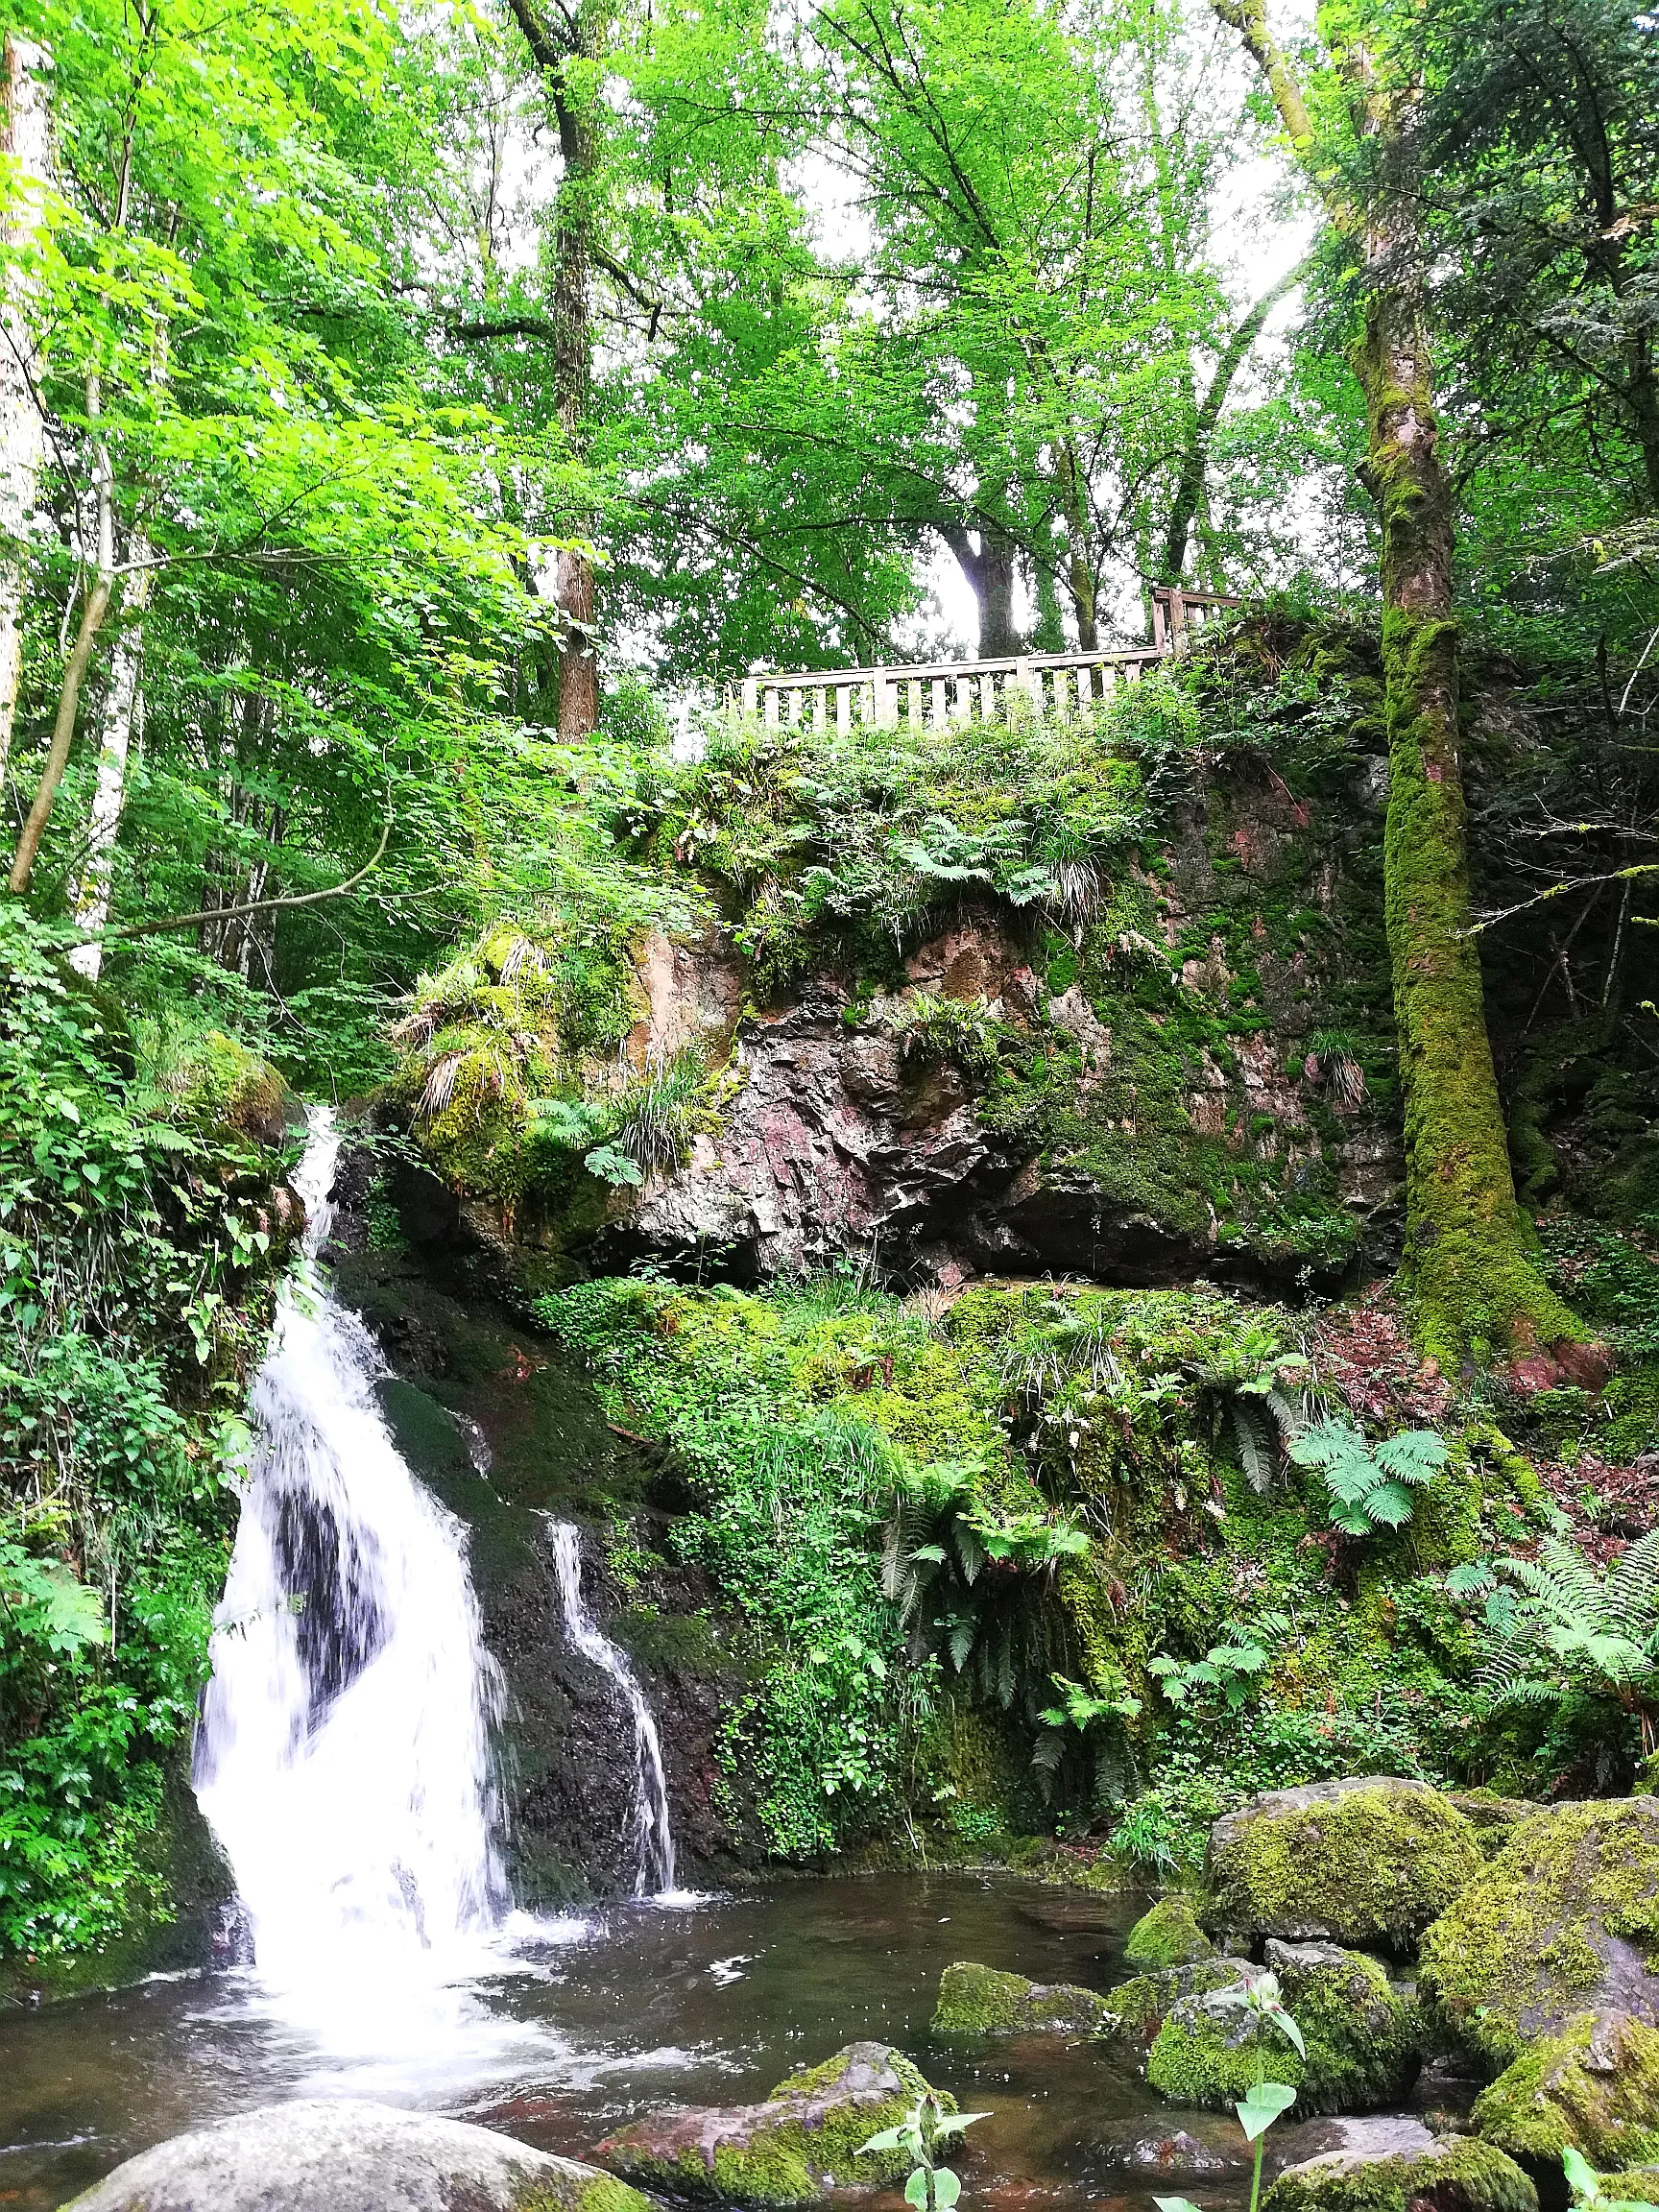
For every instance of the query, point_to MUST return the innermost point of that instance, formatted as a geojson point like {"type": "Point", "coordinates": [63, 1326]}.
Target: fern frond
{"type": "Point", "coordinates": [1256, 1465]}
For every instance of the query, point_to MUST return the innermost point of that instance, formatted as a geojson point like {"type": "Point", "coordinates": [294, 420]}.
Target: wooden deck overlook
{"type": "Point", "coordinates": [935, 692]}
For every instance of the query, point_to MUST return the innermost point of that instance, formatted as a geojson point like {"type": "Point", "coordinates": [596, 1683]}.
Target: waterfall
{"type": "Point", "coordinates": [342, 1755]}
{"type": "Point", "coordinates": [654, 1841]}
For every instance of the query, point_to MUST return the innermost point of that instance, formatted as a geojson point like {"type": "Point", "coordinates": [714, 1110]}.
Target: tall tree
{"type": "Point", "coordinates": [1476, 1286]}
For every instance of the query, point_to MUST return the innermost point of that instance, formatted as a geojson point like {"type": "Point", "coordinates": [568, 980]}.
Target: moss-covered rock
{"type": "Point", "coordinates": [1368, 1861]}
{"type": "Point", "coordinates": [1144, 2002]}
{"type": "Point", "coordinates": [1362, 2038]}
{"type": "Point", "coordinates": [1452, 2175]}
{"type": "Point", "coordinates": [804, 2140]}
{"type": "Point", "coordinates": [1564, 1921]}
{"type": "Point", "coordinates": [1168, 1936]}
{"type": "Point", "coordinates": [1595, 2086]}
{"type": "Point", "coordinates": [980, 2001]}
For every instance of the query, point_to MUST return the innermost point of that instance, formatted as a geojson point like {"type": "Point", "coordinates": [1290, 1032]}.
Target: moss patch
{"type": "Point", "coordinates": [979, 2001]}
{"type": "Point", "coordinates": [1528, 1944]}
{"type": "Point", "coordinates": [1354, 1861]}
{"type": "Point", "coordinates": [1452, 2176]}
{"type": "Point", "coordinates": [1167, 1936]}
{"type": "Point", "coordinates": [1595, 2086]}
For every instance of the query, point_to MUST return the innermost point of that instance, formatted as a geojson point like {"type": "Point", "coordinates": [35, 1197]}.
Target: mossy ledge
{"type": "Point", "coordinates": [1454, 2174]}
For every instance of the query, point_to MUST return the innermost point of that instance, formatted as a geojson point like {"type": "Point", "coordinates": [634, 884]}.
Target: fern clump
{"type": "Point", "coordinates": [1369, 1485]}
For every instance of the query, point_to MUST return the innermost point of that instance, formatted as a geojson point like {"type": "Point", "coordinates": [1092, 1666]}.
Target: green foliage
{"type": "Point", "coordinates": [1231, 1671]}
{"type": "Point", "coordinates": [135, 1249]}
{"type": "Point", "coordinates": [1370, 1485]}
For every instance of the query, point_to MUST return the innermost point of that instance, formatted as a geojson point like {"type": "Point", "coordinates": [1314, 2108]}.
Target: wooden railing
{"type": "Point", "coordinates": [963, 691]}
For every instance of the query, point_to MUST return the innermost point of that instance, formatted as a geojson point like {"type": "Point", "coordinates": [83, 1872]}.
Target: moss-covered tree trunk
{"type": "Point", "coordinates": [1477, 1291]}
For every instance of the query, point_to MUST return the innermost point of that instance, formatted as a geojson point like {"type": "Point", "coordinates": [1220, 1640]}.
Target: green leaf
{"type": "Point", "coordinates": [1261, 2106]}
{"type": "Point", "coordinates": [947, 2188]}
{"type": "Point", "coordinates": [916, 2189]}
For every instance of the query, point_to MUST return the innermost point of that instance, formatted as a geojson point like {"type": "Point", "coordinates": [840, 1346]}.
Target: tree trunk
{"type": "Point", "coordinates": [122, 716]}
{"type": "Point", "coordinates": [1475, 1288]}
{"type": "Point", "coordinates": [1195, 460]}
{"type": "Point", "coordinates": [554, 44]}
{"type": "Point", "coordinates": [24, 137]}
{"type": "Point", "coordinates": [1079, 570]}
{"type": "Point", "coordinates": [989, 568]}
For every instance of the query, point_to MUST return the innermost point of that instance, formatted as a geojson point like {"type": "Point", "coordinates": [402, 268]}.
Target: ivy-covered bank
{"type": "Point", "coordinates": [142, 1218]}
{"type": "Point", "coordinates": [1033, 1561]}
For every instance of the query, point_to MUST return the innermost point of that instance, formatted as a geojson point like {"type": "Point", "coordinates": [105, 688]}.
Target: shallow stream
{"type": "Point", "coordinates": [590, 2020]}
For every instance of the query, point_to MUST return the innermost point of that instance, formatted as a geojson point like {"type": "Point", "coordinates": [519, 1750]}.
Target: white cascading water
{"type": "Point", "coordinates": [653, 1839]}
{"type": "Point", "coordinates": [344, 1753]}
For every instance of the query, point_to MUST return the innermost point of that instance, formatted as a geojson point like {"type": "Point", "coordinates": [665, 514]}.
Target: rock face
{"type": "Point", "coordinates": [1563, 1922]}
{"type": "Point", "coordinates": [1452, 2175]}
{"type": "Point", "coordinates": [1595, 2086]}
{"type": "Point", "coordinates": [1167, 1936]}
{"type": "Point", "coordinates": [327, 2156]}
{"type": "Point", "coordinates": [803, 2141]}
{"type": "Point", "coordinates": [1369, 1860]}
{"type": "Point", "coordinates": [979, 2001]}
{"type": "Point", "coordinates": [1362, 2037]}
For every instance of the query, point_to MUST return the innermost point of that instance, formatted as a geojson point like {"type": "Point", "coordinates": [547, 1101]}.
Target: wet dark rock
{"type": "Point", "coordinates": [340, 2155]}
{"type": "Point", "coordinates": [1173, 2155]}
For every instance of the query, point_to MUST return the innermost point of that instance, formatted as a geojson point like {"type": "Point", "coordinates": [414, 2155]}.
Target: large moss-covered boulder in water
{"type": "Point", "coordinates": [1563, 1922]}
{"type": "Point", "coordinates": [1452, 2175]}
{"type": "Point", "coordinates": [803, 2141]}
{"type": "Point", "coordinates": [980, 2001]}
{"type": "Point", "coordinates": [1368, 1861]}
{"type": "Point", "coordinates": [1362, 2037]}
{"type": "Point", "coordinates": [1167, 1936]}
{"type": "Point", "coordinates": [1595, 2086]}
{"type": "Point", "coordinates": [328, 2155]}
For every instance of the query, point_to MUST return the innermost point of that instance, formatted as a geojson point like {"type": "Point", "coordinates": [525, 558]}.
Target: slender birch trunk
{"type": "Point", "coordinates": [122, 720]}
{"type": "Point", "coordinates": [24, 137]}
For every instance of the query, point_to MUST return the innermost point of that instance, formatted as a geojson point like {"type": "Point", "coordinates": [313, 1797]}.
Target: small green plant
{"type": "Point", "coordinates": [922, 2132]}
{"type": "Point", "coordinates": [1370, 1486]}
{"type": "Point", "coordinates": [1267, 2101]}
{"type": "Point", "coordinates": [1230, 1671]}
{"type": "Point", "coordinates": [1585, 2184]}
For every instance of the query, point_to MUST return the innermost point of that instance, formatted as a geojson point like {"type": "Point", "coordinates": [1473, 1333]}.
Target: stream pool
{"type": "Point", "coordinates": [585, 2023]}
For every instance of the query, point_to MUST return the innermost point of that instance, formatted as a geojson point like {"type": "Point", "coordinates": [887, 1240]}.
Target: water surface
{"type": "Point", "coordinates": [588, 2023]}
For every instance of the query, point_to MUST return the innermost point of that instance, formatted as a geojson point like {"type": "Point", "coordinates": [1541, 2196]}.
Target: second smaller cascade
{"type": "Point", "coordinates": [653, 1837]}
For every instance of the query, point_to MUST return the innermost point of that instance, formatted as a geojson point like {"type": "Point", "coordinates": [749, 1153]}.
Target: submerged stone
{"type": "Point", "coordinates": [1167, 1936]}
{"type": "Point", "coordinates": [1563, 1922]}
{"type": "Point", "coordinates": [1452, 2175]}
{"type": "Point", "coordinates": [1595, 2086]}
{"type": "Point", "coordinates": [1371, 1860]}
{"type": "Point", "coordinates": [1362, 2037]}
{"type": "Point", "coordinates": [328, 2155]}
{"type": "Point", "coordinates": [801, 2141]}
{"type": "Point", "coordinates": [977, 2000]}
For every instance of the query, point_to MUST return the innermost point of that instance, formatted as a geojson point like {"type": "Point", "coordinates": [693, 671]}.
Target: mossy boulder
{"type": "Point", "coordinates": [801, 2142]}
{"type": "Point", "coordinates": [1145, 2002]}
{"type": "Point", "coordinates": [327, 2154]}
{"type": "Point", "coordinates": [1168, 1936]}
{"type": "Point", "coordinates": [1452, 2175]}
{"type": "Point", "coordinates": [980, 2001]}
{"type": "Point", "coordinates": [1371, 1860]}
{"type": "Point", "coordinates": [1362, 2038]}
{"type": "Point", "coordinates": [1564, 1921]}
{"type": "Point", "coordinates": [219, 1084]}
{"type": "Point", "coordinates": [1595, 2086]}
